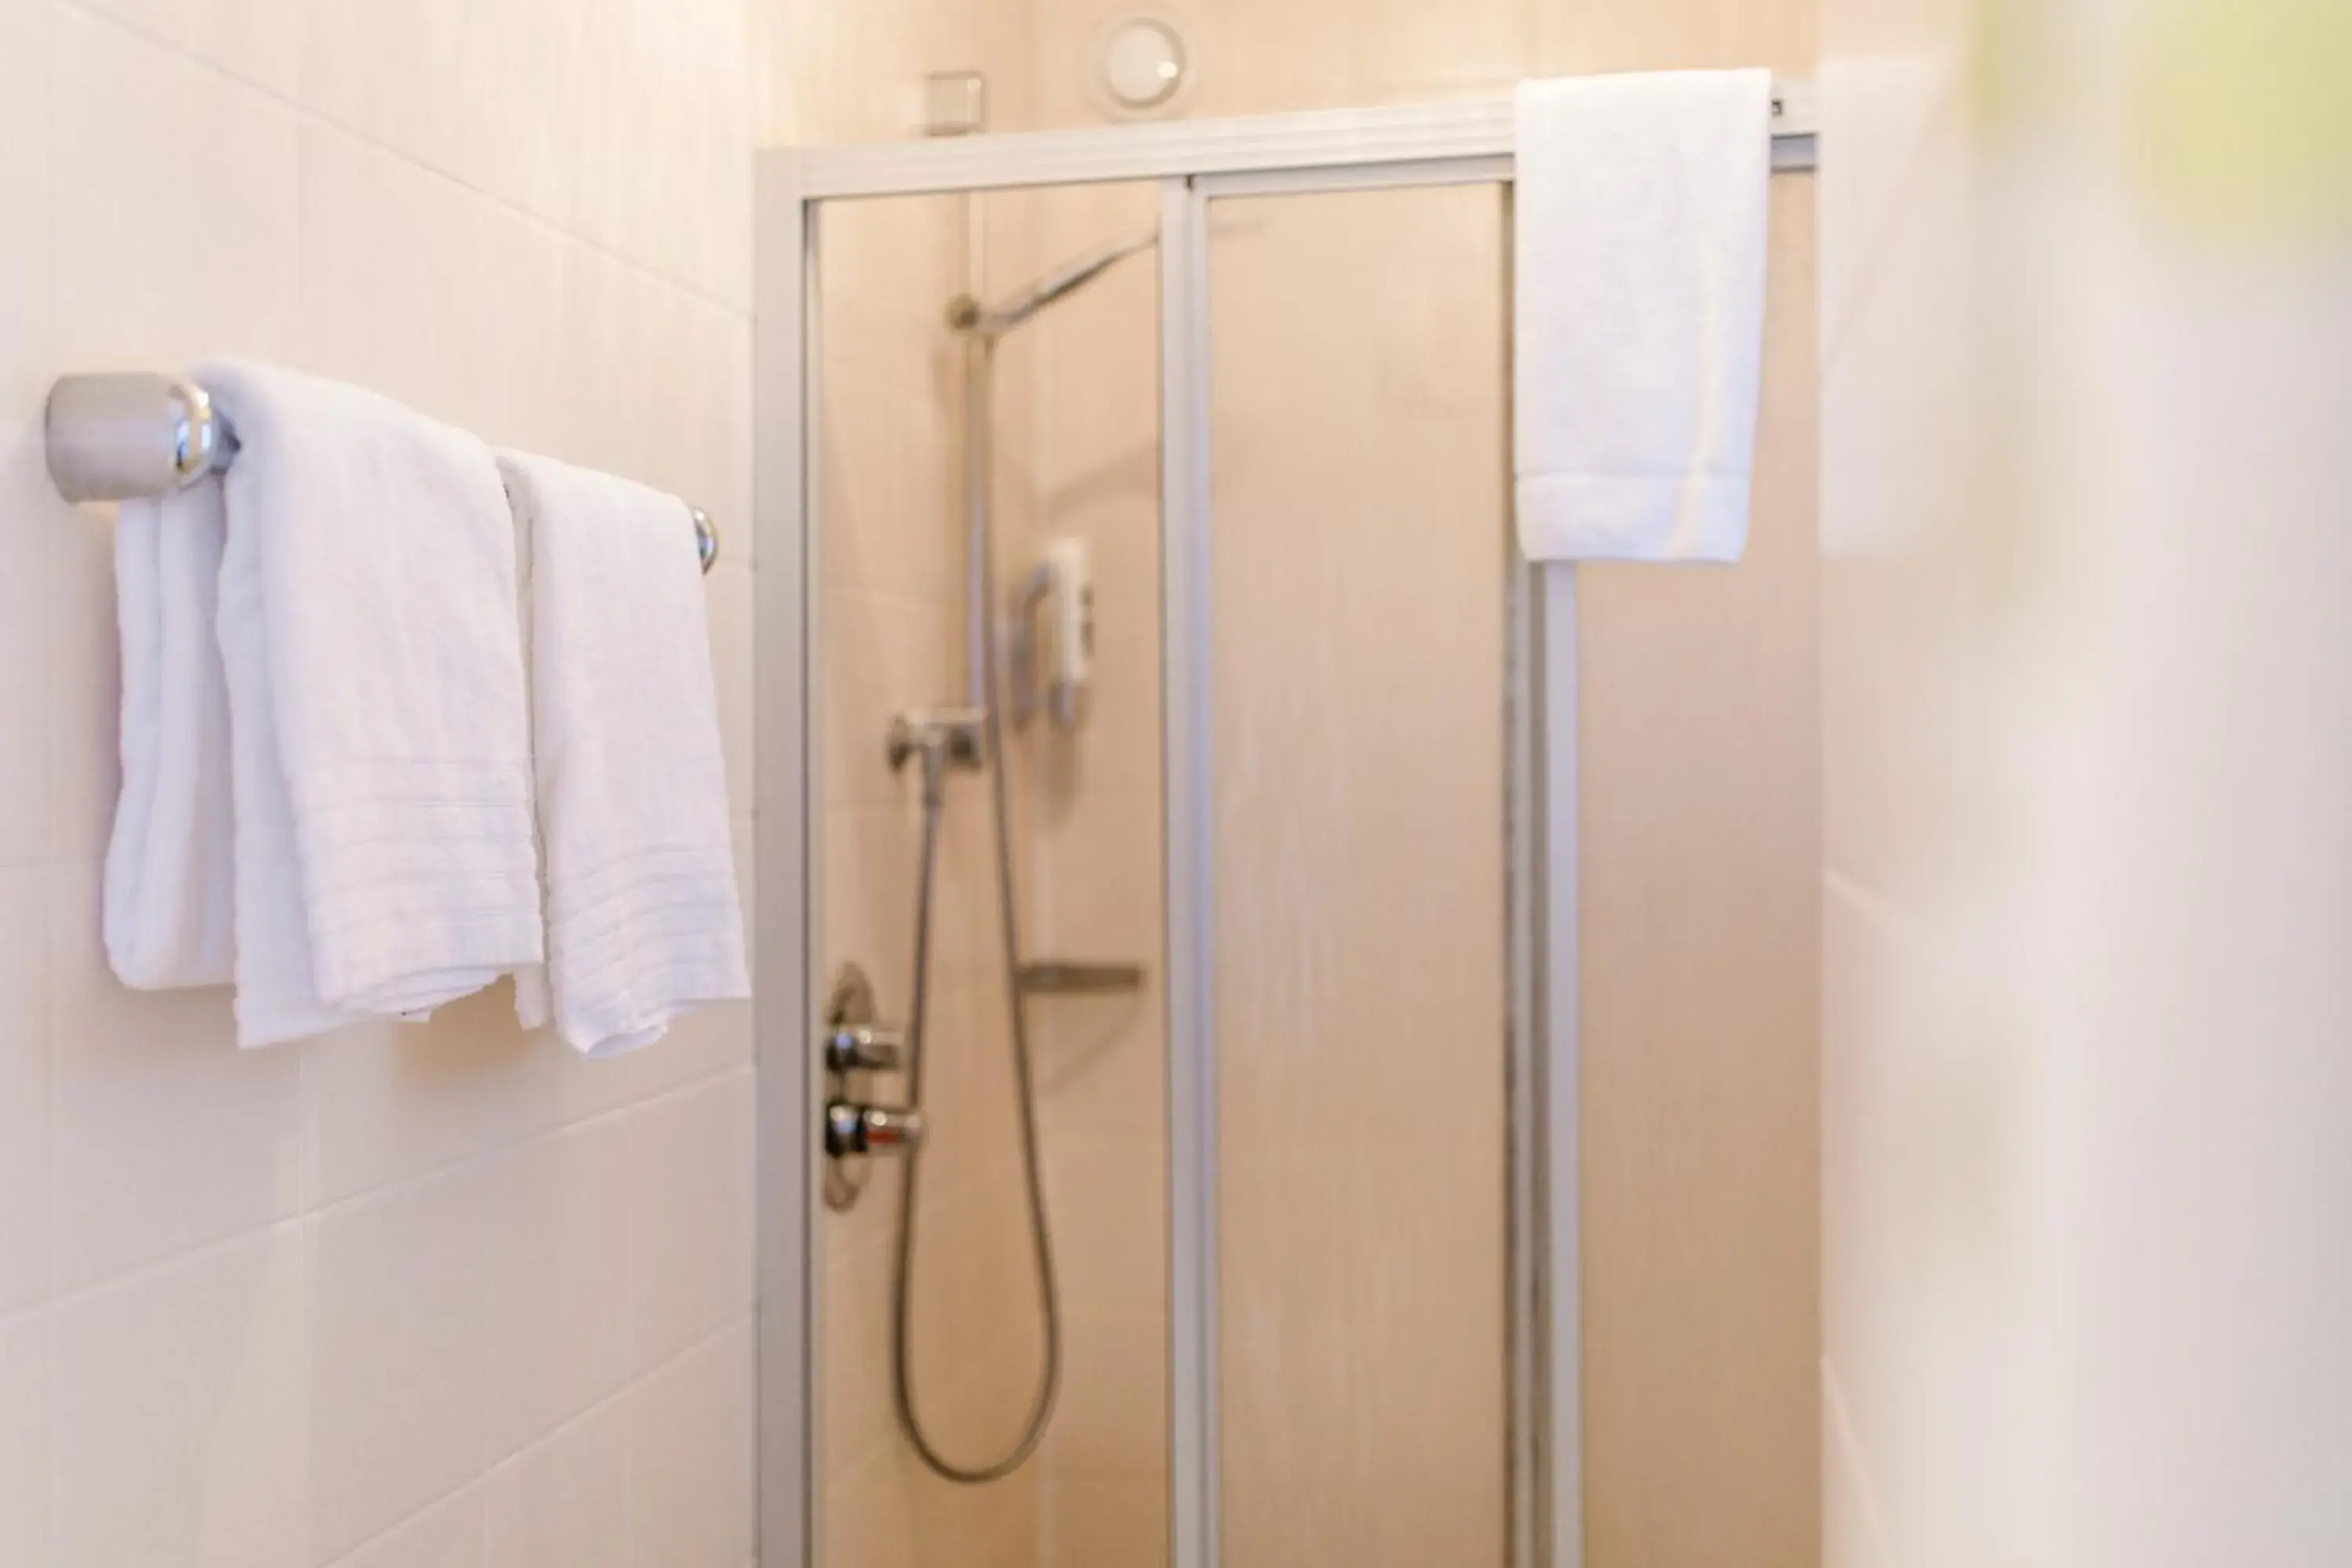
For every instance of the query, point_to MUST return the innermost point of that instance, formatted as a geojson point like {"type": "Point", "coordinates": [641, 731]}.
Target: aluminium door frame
{"type": "Point", "coordinates": [1194, 162]}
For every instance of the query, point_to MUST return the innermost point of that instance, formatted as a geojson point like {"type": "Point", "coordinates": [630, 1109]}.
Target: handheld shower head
{"type": "Point", "coordinates": [966, 314]}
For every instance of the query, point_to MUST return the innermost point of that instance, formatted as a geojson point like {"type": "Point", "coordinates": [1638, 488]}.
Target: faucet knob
{"type": "Point", "coordinates": [852, 1129]}
{"type": "Point", "coordinates": [864, 1047]}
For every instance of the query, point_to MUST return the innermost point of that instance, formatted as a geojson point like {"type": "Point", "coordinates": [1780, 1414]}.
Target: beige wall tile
{"type": "Point", "coordinates": [164, 1135]}
{"type": "Point", "coordinates": [563, 1502]}
{"type": "Point", "coordinates": [256, 40]}
{"type": "Point", "coordinates": [398, 1353]}
{"type": "Point", "coordinates": [30, 516]}
{"type": "Point", "coordinates": [689, 1214]}
{"type": "Point", "coordinates": [1573, 37]}
{"type": "Point", "coordinates": [1110, 1522]}
{"type": "Point", "coordinates": [690, 1433]}
{"type": "Point", "coordinates": [149, 143]}
{"type": "Point", "coordinates": [446, 1536]}
{"type": "Point", "coordinates": [184, 1389]}
{"type": "Point", "coordinates": [25, 1159]}
{"type": "Point", "coordinates": [1109, 1204]}
{"type": "Point", "coordinates": [561, 1315]}
{"type": "Point", "coordinates": [26, 1462]}
{"type": "Point", "coordinates": [394, 1099]}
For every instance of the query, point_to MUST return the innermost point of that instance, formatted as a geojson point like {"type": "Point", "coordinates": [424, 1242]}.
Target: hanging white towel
{"type": "Point", "coordinates": [169, 911]}
{"type": "Point", "coordinates": [643, 919]}
{"type": "Point", "coordinates": [367, 695]}
{"type": "Point", "coordinates": [1640, 222]}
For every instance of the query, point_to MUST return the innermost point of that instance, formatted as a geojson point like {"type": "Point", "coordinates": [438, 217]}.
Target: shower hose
{"type": "Point", "coordinates": [935, 771]}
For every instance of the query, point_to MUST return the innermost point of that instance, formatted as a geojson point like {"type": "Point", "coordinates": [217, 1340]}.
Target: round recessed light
{"type": "Point", "coordinates": [1144, 63]}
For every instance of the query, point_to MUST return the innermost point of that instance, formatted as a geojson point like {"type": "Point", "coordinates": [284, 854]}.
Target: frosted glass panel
{"type": "Point", "coordinates": [1359, 496]}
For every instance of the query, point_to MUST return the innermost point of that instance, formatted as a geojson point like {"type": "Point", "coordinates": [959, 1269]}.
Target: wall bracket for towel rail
{"type": "Point", "coordinates": [117, 434]}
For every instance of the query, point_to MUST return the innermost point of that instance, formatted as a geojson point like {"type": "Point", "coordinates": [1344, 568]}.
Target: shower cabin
{"type": "Point", "coordinates": [1166, 895]}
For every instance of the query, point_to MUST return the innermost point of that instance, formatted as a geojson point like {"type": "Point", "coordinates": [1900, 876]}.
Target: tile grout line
{"type": "Point", "coordinates": [480, 1480]}
{"type": "Point", "coordinates": [303, 111]}
{"type": "Point", "coordinates": [211, 1245]}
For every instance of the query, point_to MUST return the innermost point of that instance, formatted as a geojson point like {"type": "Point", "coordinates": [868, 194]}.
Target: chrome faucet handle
{"type": "Point", "coordinates": [852, 1129]}
{"type": "Point", "coordinates": [865, 1047]}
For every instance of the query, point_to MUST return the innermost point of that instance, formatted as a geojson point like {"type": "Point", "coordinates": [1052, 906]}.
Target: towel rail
{"type": "Point", "coordinates": [117, 434]}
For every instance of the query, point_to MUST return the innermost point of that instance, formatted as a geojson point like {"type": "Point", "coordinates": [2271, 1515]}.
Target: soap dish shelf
{"type": "Point", "coordinates": [1061, 977]}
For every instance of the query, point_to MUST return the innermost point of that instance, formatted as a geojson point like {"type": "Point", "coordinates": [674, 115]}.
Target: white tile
{"type": "Point", "coordinates": [565, 1502]}
{"type": "Point", "coordinates": [667, 129]}
{"type": "Point", "coordinates": [481, 89]}
{"type": "Point", "coordinates": [732, 670]}
{"type": "Point", "coordinates": [164, 1135]}
{"type": "Point", "coordinates": [426, 290]}
{"type": "Point", "coordinates": [694, 405]}
{"type": "Point", "coordinates": [398, 1356]}
{"type": "Point", "coordinates": [181, 1422]}
{"type": "Point", "coordinates": [690, 1457]}
{"type": "Point", "coordinates": [450, 1534]}
{"type": "Point", "coordinates": [24, 1465]}
{"type": "Point", "coordinates": [24, 1087]}
{"type": "Point", "coordinates": [174, 203]}
{"type": "Point", "coordinates": [691, 1213]}
{"type": "Point", "coordinates": [258, 40]}
{"type": "Point", "coordinates": [81, 665]}
{"type": "Point", "coordinates": [149, 144]}
{"type": "Point", "coordinates": [559, 1286]}
{"type": "Point", "coordinates": [29, 510]}
{"type": "Point", "coordinates": [391, 1099]}
{"type": "Point", "coordinates": [704, 1042]}
{"type": "Point", "coordinates": [31, 519]}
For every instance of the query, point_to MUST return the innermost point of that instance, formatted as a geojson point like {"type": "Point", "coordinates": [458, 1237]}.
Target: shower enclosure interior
{"type": "Point", "coordinates": [997, 1348]}
{"type": "Point", "coordinates": [1165, 963]}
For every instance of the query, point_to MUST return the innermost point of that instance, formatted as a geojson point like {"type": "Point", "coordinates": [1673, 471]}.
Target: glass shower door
{"type": "Point", "coordinates": [1357, 579]}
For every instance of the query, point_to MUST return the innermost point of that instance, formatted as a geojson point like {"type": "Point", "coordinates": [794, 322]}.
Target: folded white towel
{"type": "Point", "coordinates": [377, 736]}
{"type": "Point", "coordinates": [643, 919]}
{"type": "Point", "coordinates": [1640, 222]}
{"type": "Point", "coordinates": [168, 907]}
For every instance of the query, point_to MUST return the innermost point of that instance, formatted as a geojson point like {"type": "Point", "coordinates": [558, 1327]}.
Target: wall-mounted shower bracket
{"type": "Point", "coordinates": [942, 737]}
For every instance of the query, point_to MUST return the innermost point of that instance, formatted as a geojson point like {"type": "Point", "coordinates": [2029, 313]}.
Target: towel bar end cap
{"type": "Point", "coordinates": [116, 435]}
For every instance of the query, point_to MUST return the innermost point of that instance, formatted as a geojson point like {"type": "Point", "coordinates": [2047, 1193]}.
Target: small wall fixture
{"type": "Point", "coordinates": [1143, 64]}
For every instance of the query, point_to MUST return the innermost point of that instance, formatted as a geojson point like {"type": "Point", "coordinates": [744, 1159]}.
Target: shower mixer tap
{"type": "Point", "coordinates": [850, 1043]}
{"type": "Point", "coordinates": [942, 737]}
{"type": "Point", "coordinates": [864, 1047]}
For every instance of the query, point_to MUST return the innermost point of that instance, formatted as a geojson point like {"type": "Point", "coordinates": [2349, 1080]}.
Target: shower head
{"type": "Point", "coordinates": [966, 314]}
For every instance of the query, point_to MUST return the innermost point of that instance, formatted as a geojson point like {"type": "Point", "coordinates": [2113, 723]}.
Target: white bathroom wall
{"type": "Point", "coordinates": [2088, 344]}
{"type": "Point", "coordinates": [408, 1295]}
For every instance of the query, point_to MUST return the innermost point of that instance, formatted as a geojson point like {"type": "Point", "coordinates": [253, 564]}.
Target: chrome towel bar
{"type": "Point", "coordinates": [117, 435]}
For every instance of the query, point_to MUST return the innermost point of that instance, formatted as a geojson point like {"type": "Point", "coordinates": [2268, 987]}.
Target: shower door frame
{"type": "Point", "coordinates": [1194, 162]}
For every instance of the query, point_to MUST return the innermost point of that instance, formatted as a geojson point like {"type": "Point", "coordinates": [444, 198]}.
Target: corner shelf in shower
{"type": "Point", "coordinates": [1059, 977]}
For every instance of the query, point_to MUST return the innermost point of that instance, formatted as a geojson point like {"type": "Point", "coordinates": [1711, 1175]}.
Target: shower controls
{"type": "Point", "coordinates": [863, 1047]}
{"type": "Point", "coordinates": [851, 1047]}
{"type": "Point", "coordinates": [1052, 666]}
{"type": "Point", "coordinates": [852, 1129]}
{"type": "Point", "coordinates": [942, 737]}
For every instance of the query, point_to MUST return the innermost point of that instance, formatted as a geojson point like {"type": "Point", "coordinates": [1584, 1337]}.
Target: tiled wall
{"type": "Point", "coordinates": [1915, 1382]}
{"type": "Point", "coordinates": [408, 1295]}
{"type": "Point", "coordinates": [2087, 321]}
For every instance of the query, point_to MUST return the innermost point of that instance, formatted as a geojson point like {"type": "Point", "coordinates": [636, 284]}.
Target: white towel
{"type": "Point", "coordinates": [1639, 217]}
{"type": "Point", "coordinates": [377, 736]}
{"type": "Point", "coordinates": [643, 919]}
{"type": "Point", "coordinates": [169, 916]}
